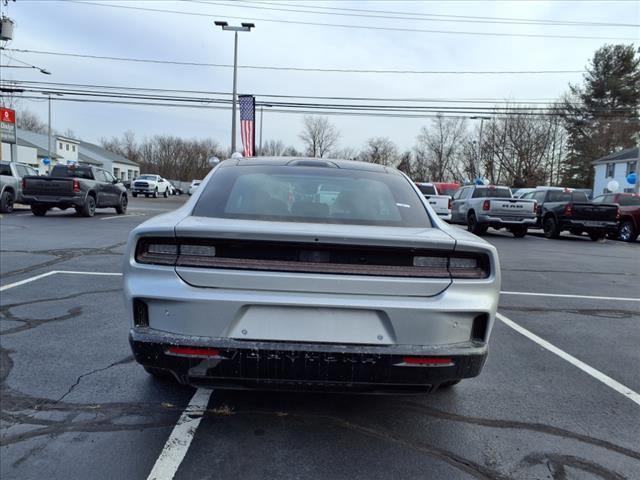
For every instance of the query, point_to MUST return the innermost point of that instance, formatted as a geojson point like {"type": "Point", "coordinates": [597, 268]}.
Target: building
{"type": "Point", "coordinates": [616, 166]}
{"type": "Point", "coordinates": [32, 148]}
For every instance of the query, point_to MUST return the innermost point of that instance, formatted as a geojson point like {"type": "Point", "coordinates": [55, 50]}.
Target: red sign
{"type": "Point", "coordinates": [7, 115]}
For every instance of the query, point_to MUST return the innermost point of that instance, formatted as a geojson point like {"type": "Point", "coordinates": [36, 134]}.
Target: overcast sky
{"type": "Point", "coordinates": [63, 26]}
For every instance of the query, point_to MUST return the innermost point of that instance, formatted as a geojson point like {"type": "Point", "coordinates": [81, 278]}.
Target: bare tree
{"type": "Point", "coordinates": [273, 148]}
{"type": "Point", "coordinates": [319, 136]}
{"type": "Point", "coordinates": [27, 120]}
{"type": "Point", "coordinates": [437, 147]}
{"type": "Point", "coordinates": [347, 153]}
{"type": "Point", "coordinates": [380, 150]}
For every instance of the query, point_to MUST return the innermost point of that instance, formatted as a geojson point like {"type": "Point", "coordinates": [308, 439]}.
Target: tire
{"type": "Point", "coordinates": [146, 195]}
{"type": "Point", "coordinates": [551, 227]}
{"type": "Point", "coordinates": [596, 236]}
{"type": "Point", "coordinates": [473, 226]}
{"type": "Point", "coordinates": [39, 210]}
{"type": "Point", "coordinates": [166, 193]}
{"type": "Point", "coordinates": [121, 209]}
{"type": "Point", "coordinates": [89, 207]}
{"type": "Point", "coordinates": [627, 231]}
{"type": "Point", "coordinates": [155, 193]}
{"type": "Point", "coordinates": [134, 195]}
{"type": "Point", "coordinates": [448, 384]}
{"type": "Point", "coordinates": [519, 231]}
{"type": "Point", "coordinates": [6, 202]}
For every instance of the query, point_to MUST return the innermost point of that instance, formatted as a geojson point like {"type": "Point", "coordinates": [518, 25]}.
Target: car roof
{"type": "Point", "coordinates": [309, 162]}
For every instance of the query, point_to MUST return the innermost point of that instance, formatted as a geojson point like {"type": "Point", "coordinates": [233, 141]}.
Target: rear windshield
{"type": "Point", "coordinates": [562, 196]}
{"type": "Point", "coordinates": [629, 201]}
{"type": "Point", "coordinates": [447, 191]}
{"type": "Point", "coordinates": [72, 172]}
{"type": "Point", "coordinates": [312, 194]}
{"type": "Point", "coordinates": [427, 189]}
{"type": "Point", "coordinates": [500, 192]}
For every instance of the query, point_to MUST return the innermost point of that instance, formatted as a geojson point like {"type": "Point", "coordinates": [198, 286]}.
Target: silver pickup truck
{"type": "Point", "coordinates": [483, 206]}
{"type": "Point", "coordinates": [11, 174]}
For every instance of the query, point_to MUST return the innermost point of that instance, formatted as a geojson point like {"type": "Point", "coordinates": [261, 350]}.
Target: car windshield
{"type": "Point", "coordinates": [499, 192]}
{"type": "Point", "coordinates": [312, 194]}
{"type": "Point", "coordinates": [146, 177]}
{"type": "Point", "coordinates": [564, 196]}
{"type": "Point", "coordinates": [427, 189]}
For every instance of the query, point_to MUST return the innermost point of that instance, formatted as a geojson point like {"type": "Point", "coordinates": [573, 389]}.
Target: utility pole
{"type": "Point", "coordinates": [479, 161]}
{"type": "Point", "coordinates": [245, 27]}
{"type": "Point", "coordinates": [261, 115]}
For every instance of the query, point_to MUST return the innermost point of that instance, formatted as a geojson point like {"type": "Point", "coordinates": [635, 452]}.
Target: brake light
{"type": "Point", "coordinates": [428, 361]}
{"type": "Point", "coordinates": [76, 186]}
{"type": "Point", "coordinates": [486, 205]}
{"type": "Point", "coordinates": [194, 351]}
{"type": "Point", "coordinates": [618, 214]}
{"type": "Point", "coordinates": [450, 203]}
{"type": "Point", "coordinates": [568, 210]}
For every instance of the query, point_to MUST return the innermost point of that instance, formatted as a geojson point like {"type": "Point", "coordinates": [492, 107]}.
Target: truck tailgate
{"type": "Point", "coordinates": [511, 206]}
{"type": "Point", "coordinates": [592, 211]}
{"type": "Point", "coordinates": [54, 186]}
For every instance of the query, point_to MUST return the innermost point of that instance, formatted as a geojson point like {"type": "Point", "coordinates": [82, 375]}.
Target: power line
{"type": "Point", "coordinates": [387, 15]}
{"type": "Point", "coordinates": [299, 69]}
{"type": "Point", "coordinates": [351, 26]}
{"type": "Point", "coordinates": [460, 18]}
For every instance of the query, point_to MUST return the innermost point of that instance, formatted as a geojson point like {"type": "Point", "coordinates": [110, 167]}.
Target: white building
{"type": "Point", "coordinates": [616, 166]}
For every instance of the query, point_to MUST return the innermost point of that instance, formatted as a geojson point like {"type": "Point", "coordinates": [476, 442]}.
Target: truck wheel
{"type": "Point", "coordinates": [596, 236]}
{"type": "Point", "coordinates": [134, 195]}
{"type": "Point", "coordinates": [155, 193]}
{"type": "Point", "coordinates": [39, 210]}
{"type": "Point", "coordinates": [6, 202]}
{"type": "Point", "coordinates": [519, 231]}
{"type": "Point", "coordinates": [551, 227]}
{"type": "Point", "coordinates": [627, 231]}
{"type": "Point", "coordinates": [166, 193]}
{"type": "Point", "coordinates": [121, 209]}
{"type": "Point", "coordinates": [474, 227]}
{"type": "Point", "coordinates": [89, 207]}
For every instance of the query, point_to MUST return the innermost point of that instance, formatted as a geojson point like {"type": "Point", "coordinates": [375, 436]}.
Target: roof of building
{"type": "Point", "coordinates": [36, 140]}
{"type": "Point", "coordinates": [95, 151]}
{"type": "Point", "coordinates": [621, 156]}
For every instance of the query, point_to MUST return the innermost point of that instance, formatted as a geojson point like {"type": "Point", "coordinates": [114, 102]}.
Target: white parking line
{"type": "Point", "coordinates": [125, 216]}
{"type": "Point", "coordinates": [560, 295]}
{"type": "Point", "coordinates": [598, 375]}
{"type": "Point", "coordinates": [55, 272]}
{"type": "Point", "coordinates": [180, 439]}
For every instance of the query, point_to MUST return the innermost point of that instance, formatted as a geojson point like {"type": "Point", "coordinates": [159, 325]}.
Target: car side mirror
{"type": "Point", "coordinates": [115, 180]}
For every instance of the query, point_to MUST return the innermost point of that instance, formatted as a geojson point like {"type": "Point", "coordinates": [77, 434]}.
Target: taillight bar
{"type": "Point", "coordinates": [194, 351]}
{"type": "Point", "coordinates": [426, 362]}
{"type": "Point", "coordinates": [76, 186]}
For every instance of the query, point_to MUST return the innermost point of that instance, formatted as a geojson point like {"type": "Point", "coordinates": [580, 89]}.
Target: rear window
{"type": "Point", "coordinates": [72, 172]}
{"type": "Point", "coordinates": [312, 194]}
{"type": "Point", "coordinates": [5, 169]}
{"type": "Point", "coordinates": [447, 191]}
{"type": "Point", "coordinates": [562, 196]}
{"type": "Point", "coordinates": [499, 192]}
{"type": "Point", "coordinates": [427, 189]}
{"type": "Point", "coordinates": [629, 201]}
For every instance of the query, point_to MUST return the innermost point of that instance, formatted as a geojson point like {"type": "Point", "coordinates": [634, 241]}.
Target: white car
{"type": "Point", "coordinates": [194, 185]}
{"type": "Point", "coordinates": [150, 186]}
{"type": "Point", "coordinates": [441, 204]}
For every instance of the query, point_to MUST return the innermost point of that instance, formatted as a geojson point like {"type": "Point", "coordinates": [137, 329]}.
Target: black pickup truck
{"type": "Point", "coordinates": [82, 187]}
{"type": "Point", "coordinates": [562, 209]}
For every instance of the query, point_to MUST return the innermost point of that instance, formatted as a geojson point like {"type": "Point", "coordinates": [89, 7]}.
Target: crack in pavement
{"type": "Point", "coordinates": [589, 312]}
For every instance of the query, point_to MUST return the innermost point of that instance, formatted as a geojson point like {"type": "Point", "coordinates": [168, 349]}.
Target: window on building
{"type": "Point", "coordinates": [60, 143]}
{"type": "Point", "coordinates": [611, 168]}
{"type": "Point", "coordinates": [67, 145]}
{"type": "Point", "coordinates": [73, 148]}
{"type": "Point", "coordinates": [631, 167]}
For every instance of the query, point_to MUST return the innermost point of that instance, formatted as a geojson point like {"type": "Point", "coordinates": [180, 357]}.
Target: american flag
{"type": "Point", "coordinates": [247, 123]}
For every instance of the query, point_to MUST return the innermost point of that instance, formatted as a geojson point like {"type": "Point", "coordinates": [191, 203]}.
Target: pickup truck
{"type": "Point", "coordinates": [11, 174]}
{"type": "Point", "coordinates": [483, 206]}
{"type": "Point", "coordinates": [441, 204]}
{"type": "Point", "coordinates": [561, 209]}
{"type": "Point", "coordinates": [150, 185]}
{"type": "Point", "coordinates": [82, 187]}
{"type": "Point", "coordinates": [629, 226]}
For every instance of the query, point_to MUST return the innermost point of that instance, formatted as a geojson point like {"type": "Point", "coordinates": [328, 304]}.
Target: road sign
{"type": "Point", "coordinates": [8, 132]}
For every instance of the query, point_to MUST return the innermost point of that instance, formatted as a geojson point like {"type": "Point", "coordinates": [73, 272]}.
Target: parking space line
{"type": "Point", "coordinates": [55, 272]}
{"type": "Point", "coordinates": [125, 216]}
{"type": "Point", "coordinates": [180, 439]}
{"type": "Point", "coordinates": [560, 295]}
{"type": "Point", "coordinates": [598, 375]}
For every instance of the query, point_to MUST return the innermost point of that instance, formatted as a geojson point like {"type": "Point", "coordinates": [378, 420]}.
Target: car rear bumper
{"type": "Point", "coordinates": [54, 200]}
{"type": "Point", "coordinates": [445, 216]}
{"type": "Point", "coordinates": [142, 190]}
{"type": "Point", "coordinates": [306, 366]}
{"type": "Point", "coordinates": [506, 221]}
{"type": "Point", "coordinates": [590, 225]}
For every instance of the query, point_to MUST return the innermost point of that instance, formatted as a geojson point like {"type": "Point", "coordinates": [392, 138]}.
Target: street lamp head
{"type": "Point", "coordinates": [248, 25]}
{"type": "Point", "coordinates": [220, 24]}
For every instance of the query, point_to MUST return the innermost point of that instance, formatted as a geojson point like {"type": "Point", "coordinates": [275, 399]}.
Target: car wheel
{"type": "Point", "coordinates": [39, 210]}
{"type": "Point", "coordinates": [627, 231]}
{"type": "Point", "coordinates": [6, 202]}
{"type": "Point", "coordinates": [89, 207]}
{"type": "Point", "coordinates": [166, 193]}
{"type": "Point", "coordinates": [519, 231]}
{"type": "Point", "coordinates": [448, 384]}
{"type": "Point", "coordinates": [134, 195]}
{"type": "Point", "coordinates": [121, 209]}
{"type": "Point", "coordinates": [596, 236]}
{"type": "Point", "coordinates": [551, 227]}
{"type": "Point", "coordinates": [155, 193]}
{"type": "Point", "coordinates": [473, 226]}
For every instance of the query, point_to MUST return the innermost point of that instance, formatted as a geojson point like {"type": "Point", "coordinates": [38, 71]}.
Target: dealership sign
{"type": "Point", "coordinates": [8, 125]}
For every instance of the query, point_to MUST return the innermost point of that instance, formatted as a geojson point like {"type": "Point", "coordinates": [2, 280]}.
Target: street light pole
{"type": "Point", "coordinates": [245, 27]}
{"type": "Point", "coordinates": [479, 161]}
{"type": "Point", "coordinates": [49, 128]}
{"type": "Point", "coordinates": [261, 115]}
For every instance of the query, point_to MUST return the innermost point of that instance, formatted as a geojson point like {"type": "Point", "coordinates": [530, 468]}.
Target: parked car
{"type": "Point", "coordinates": [173, 190]}
{"type": "Point", "coordinates": [150, 186]}
{"type": "Point", "coordinates": [561, 209]}
{"type": "Point", "coordinates": [194, 185]}
{"type": "Point", "coordinates": [446, 188]}
{"type": "Point", "coordinates": [256, 283]}
{"type": "Point", "coordinates": [629, 225]}
{"type": "Point", "coordinates": [82, 187]}
{"type": "Point", "coordinates": [441, 204]}
{"type": "Point", "coordinates": [522, 191]}
{"type": "Point", "coordinates": [483, 206]}
{"type": "Point", "coordinates": [11, 174]}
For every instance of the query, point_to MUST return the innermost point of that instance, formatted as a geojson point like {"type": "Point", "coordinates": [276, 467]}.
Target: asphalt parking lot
{"type": "Point", "coordinates": [75, 405]}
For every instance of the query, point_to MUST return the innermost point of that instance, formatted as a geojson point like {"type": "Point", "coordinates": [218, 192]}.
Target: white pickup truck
{"type": "Point", "coordinates": [441, 204]}
{"type": "Point", "coordinates": [150, 185]}
{"type": "Point", "coordinates": [483, 206]}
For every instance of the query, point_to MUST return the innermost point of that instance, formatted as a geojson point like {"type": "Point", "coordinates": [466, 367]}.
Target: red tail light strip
{"type": "Point", "coordinates": [194, 351]}
{"type": "Point", "coordinates": [425, 362]}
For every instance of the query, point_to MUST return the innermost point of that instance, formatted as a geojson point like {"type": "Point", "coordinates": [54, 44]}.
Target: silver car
{"type": "Point", "coordinates": [309, 274]}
